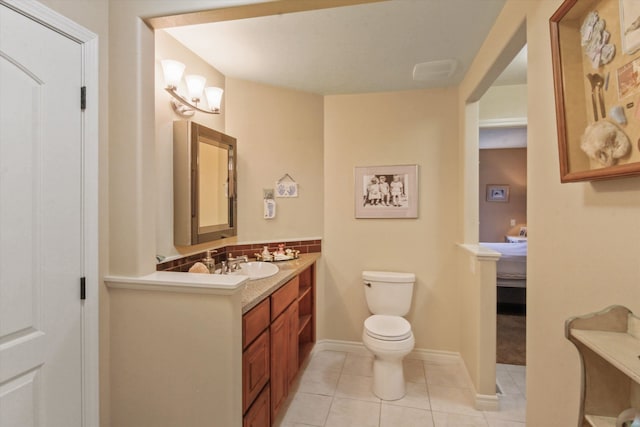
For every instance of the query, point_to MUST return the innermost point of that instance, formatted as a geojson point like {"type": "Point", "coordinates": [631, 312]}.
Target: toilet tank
{"type": "Point", "coordinates": [388, 292]}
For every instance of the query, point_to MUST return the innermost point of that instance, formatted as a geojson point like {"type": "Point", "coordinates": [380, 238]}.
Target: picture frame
{"type": "Point", "coordinates": [386, 191]}
{"type": "Point", "coordinates": [286, 187]}
{"type": "Point", "coordinates": [596, 60]}
{"type": "Point", "coordinates": [497, 193]}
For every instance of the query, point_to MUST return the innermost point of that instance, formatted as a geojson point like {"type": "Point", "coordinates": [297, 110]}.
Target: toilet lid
{"type": "Point", "coordinates": [387, 328]}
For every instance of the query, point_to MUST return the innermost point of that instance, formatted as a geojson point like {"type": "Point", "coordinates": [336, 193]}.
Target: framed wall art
{"type": "Point", "coordinates": [497, 193]}
{"type": "Point", "coordinates": [386, 191]}
{"type": "Point", "coordinates": [595, 48]}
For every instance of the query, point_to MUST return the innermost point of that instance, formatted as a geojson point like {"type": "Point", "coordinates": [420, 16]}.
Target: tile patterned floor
{"type": "Point", "coordinates": [334, 390]}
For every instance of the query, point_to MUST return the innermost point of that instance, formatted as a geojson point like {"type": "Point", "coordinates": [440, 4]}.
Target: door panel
{"type": "Point", "coordinates": [17, 399]}
{"type": "Point", "coordinates": [40, 225]}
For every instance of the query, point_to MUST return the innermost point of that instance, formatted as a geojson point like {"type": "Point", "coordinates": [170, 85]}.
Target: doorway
{"type": "Point", "coordinates": [503, 221]}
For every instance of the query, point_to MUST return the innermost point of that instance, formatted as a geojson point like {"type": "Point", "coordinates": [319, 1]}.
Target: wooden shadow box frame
{"type": "Point", "coordinates": [581, 101]}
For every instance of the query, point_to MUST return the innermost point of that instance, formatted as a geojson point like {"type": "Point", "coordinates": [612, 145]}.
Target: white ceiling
{"type": "Point", "coordinates": [352, 49]}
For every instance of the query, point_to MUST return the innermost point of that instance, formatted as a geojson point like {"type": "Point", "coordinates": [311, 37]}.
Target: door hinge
{"type": "Point", "coordinates": [83, 98]}
{"type": "Point", "coordinates": [83, 288]}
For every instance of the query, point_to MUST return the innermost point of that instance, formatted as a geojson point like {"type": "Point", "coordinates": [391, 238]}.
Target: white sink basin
{"type": "Point", "coordinates": [257, 269]}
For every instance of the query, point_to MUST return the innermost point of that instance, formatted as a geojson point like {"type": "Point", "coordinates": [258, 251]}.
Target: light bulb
{"type": "Point", "coordinates": [195, 85]}
{"type": "Point", "coordinates": [214, 97]}
{"type": "Point", "coordinates": [172, 71]}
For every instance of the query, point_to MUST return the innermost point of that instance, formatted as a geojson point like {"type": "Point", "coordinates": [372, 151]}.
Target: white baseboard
{"type": "Point", "coordinates": [433, 356]}
{"type": "Point", "coordinates": [483, 402]}
{"type": "Point", "coordinates": [337, 345]}
{"type": "Point", "coordinates": [487, 402]}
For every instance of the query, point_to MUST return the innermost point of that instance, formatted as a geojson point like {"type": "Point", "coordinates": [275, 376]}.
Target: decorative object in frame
{"type": "Point", "coordinates": [386, 191]}
{"type": "Point", "coordinates": [596, 72]}
{"type": "Point", "coordinates": [497, 193]}
{"type": "Point", "coordinates": [286, 186]}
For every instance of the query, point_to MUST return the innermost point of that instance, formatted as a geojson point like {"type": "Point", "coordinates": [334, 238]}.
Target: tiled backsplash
{"type": "Point", "coordinates": [185, 263]}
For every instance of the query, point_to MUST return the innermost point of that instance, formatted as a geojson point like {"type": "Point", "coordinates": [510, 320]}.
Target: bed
{"type": "Point", "coordinates": [511, 271]}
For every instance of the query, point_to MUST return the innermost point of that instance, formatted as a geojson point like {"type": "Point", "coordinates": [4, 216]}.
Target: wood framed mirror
{"type": "Point", "coordinates": [204, 184]}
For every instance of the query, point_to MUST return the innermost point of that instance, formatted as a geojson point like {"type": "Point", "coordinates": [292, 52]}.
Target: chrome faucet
{"type": "Point", "coordinates": [233, 263]}
{"type": "Point", "coordinates": [224, 269]}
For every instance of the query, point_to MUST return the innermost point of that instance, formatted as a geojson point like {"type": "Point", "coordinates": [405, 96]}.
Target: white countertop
{"type": "Point", "coordinates": [173, 281]}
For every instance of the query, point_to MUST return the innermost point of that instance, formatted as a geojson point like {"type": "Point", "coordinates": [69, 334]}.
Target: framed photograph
{"type": "Point", "coordinates": [497, 193]}
{"type": "Point", "coordinates": [386, 191]}
{"type": "Point", "coordinates": [595, 48]}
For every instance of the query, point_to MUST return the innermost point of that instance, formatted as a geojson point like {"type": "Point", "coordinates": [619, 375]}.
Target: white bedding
{"type": "Point", "coordinates": [513, 262]}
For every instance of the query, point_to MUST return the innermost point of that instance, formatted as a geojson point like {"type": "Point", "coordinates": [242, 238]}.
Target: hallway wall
{"type": "Point", "coordinates": [584, 237]}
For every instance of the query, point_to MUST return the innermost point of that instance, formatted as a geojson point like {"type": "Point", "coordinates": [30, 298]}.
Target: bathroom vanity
{"type": "Point", "coordinates": [208, 349]}
{"type": "Point", "coordinates": [278, 334]}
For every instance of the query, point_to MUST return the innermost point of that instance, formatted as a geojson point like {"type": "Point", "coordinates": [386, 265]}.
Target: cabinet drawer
{"type": "Point", "coordinates": [255, 369]}
{"type": "Point", "coordinates": [254, 322]}
{"type": "Point", "coordinates": [260, 413]}
{"type": "Point", "coordinates": [284, 296]}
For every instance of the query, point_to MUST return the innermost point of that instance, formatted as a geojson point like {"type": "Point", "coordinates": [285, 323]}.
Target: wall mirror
{"type": "Point", "coordinates": [204, 184]}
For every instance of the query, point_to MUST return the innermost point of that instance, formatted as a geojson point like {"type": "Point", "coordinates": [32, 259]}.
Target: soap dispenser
{"type": "Point", "coordinates": [209, 262]}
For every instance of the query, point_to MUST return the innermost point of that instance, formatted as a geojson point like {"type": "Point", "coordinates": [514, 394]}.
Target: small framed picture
{"type": "Point", "coordinates": [386, 191]}
{"type": "Point", "coordinates": [497, 193]}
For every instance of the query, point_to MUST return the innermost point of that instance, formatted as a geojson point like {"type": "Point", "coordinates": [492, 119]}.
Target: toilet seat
{"type": "Point", "coordinates": [387, 328]}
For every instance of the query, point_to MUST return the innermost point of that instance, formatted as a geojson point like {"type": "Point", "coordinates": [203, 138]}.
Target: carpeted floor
{"type": "Point", "coordinates": [511, 339]}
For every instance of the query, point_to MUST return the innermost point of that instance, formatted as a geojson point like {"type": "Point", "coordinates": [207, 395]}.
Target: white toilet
{"type": "Point", "coordinates": [386, 333]}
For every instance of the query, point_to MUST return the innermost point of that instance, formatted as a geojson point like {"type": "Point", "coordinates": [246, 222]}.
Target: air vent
{"type": "Point", "coordinates": [435, 70]}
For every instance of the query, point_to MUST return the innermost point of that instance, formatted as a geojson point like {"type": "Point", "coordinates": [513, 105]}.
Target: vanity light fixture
{"type": "Point", "coordinates": [187, 106]}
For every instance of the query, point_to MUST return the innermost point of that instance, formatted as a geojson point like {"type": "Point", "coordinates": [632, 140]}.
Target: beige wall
{"type": "Point", "coordinates": [166, 47]}
{"type": "Point", "coordinates": [415, 127]}
{"type": "Point", "coordinates": [476, 274]}
{"type": "Point", "coordinates": [504, 103]}
{"type": "Point", "coordinates": [503, 167]}
{"type": "Point", "coordinates": [584, 242]}
{"type": "Point", "coordinates": [279, 131]}
{"type": "Point", "coordinates": [152, 343]}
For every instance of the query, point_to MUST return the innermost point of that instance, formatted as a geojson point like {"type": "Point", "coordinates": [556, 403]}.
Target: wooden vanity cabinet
{"type": "Point", "coordinates": [259, 415]}
{"type": "Point", "coordinates": [278, 335]}
{"type": "Point", "coordinates": [306, 313]}
{"type": "Point", "coordinates": [292, 342]}
{"type": "Point", "coordinates": [284, 345]}
{"type": "Point", "coordinates": [256, 364]}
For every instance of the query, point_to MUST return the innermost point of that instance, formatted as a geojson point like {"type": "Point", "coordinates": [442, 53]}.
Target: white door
{"type": "Point", "coordinates": [41, 225]}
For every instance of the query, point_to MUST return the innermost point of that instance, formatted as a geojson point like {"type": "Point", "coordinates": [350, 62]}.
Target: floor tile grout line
{"type": "Point", "coordinates": [426, 383]}
{"type": "Point", "coordinates": [326, 418]}
{"type": "Point", "coordinates": [333, 395]}
{"type": "Point", "coordinates": [487, 416]}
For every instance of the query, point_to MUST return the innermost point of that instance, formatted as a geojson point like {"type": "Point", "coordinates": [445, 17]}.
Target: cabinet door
{"type": "Point", "coordinates": [260, 412]}
{"type": "Point", "coordinates": [292, 342]}
{"type": "Point", "coordinates": [255, 369]}
{"type": "Point", "coordinates": [279, 356]}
